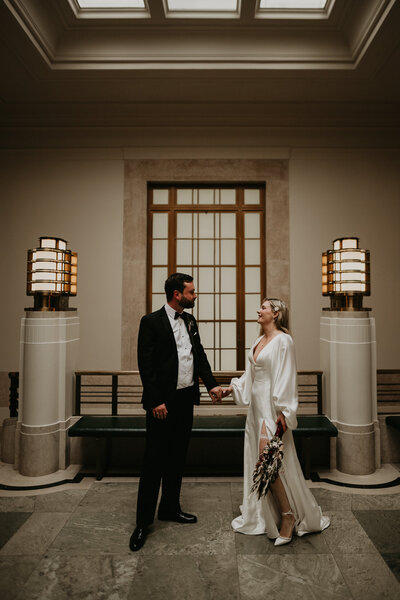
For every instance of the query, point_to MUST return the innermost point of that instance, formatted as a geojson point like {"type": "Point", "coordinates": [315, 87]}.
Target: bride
{"type": "Point", "coordinates": [268, 388]}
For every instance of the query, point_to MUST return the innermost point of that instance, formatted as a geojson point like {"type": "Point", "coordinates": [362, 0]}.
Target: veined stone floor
{"type": "Point", "coordinates": [72, 542]}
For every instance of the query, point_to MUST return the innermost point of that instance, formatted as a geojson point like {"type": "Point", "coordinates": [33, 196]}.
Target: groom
{"type": "Point", "coordinates": [171, 359]}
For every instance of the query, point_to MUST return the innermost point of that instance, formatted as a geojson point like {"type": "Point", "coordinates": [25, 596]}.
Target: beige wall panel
{"type": "Point", "coordinates": [138, 172]}
{"type": "Point", "coordinates": [334, 193]}
{"type": "Point", "coordinates": [81, 200]}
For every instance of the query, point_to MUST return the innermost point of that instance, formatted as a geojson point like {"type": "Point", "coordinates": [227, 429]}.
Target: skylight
{"type": "Point", "coordinates": [293, 4]}
{"type": "Point", "coordinates": [202, 9]}
{"type": "Point", "coordinates": [202, 5]}
{"type": "Point", "coordinates": [111, 4]}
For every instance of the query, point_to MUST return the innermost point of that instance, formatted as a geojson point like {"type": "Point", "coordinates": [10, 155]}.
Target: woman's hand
{"type": "Point", "coordinates": [227, 391]}
{"type": "Point", "coordinates": [282, 420]}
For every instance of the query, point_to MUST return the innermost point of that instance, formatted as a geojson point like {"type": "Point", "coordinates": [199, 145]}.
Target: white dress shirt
{"type": "Point", "coordinates": [184, 348]}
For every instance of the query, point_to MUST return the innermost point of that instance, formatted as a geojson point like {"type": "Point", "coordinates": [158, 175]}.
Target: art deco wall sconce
{"type": "Point", "coordinates": [346, 274]}
{"type": "Point", "coordinates": [52, 275]}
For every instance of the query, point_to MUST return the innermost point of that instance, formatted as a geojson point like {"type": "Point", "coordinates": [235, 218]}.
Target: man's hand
{"type": "Point", "coordinates": [216, 394]}
{"type": "Point", "coordinates": [160, 412]}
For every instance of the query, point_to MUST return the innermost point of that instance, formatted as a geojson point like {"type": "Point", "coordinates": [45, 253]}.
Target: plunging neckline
{"type": "Point", "coordinates": [263, 348]}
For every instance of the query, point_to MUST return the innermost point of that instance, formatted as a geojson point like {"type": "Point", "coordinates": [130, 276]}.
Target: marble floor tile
{"type": "Point", "coordinates": [94, 533]}
{"type": "Point", "coordinates": [294, 577]}
{"type": "Point", "coordinates": [186, 577]}
{"type": "Point", "coordinates": [206, 496]}
{"type": "Point", "coordinates": [17, 504]}
{"type": "Point", "coordinates": [346, 536]}
{"type": "Point", "coordinates": [110, 497]}
{"type": "Point", "coordinates": [330, 500]}
{"type": "Point", "coordinates": [237, 486]}
{"type": "Point", "coordinates": [14, 572]}
{"type": "Point", "coordinates": [60, 577]}
{"type": "Point", "coordinates": [259, 544]}
{"type": "Point", "coordinates": [212, 534]}
{"type": "Point", "coordinates": [368, 577]}
{"type": "Point", "coordinates": [74, 543]}
{"type": "Point", "coordinates": [382, 527]}
{"type": "Point", "coordinates": [10, 523]}
{"type": "Point", "coordinates": [65, 501]}
{"type": "Point", "coordinates": [237, 498]}
{"type": "Point", "coordinates": [392, 559]}
{"type": "Point", "coordinates": [36, 534]}
{"type": "Point", "coordinates": [386, 502]}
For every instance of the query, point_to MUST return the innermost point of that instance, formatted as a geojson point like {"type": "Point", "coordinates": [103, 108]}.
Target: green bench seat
{"type": "Point", "coordinates": [103, 427]}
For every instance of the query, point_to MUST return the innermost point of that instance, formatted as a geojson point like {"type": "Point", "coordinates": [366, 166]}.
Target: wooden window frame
{"type": "Point", "coordinates": [239, 208]}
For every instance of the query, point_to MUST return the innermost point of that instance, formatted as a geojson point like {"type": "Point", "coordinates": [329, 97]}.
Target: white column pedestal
{"type": "Point", "coordinates": [348, 360]}
{"type": "Point", "coordinates": [49, 348]}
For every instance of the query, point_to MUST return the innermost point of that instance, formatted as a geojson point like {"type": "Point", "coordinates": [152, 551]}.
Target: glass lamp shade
{"type": "Point", "coordinates": [346, 269]}
{"type": "Point", "coordinates": [48, 242]}
{"type": "Point", "coordinates": [345, 243]}
{"type": "Point", "coordinates": [52, 269]}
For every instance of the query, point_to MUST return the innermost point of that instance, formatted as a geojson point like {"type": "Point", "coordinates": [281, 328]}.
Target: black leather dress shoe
{"type": "Point", "coordinates": [178, 517]}
{"type": "Point", "coordinates": [138, 538]}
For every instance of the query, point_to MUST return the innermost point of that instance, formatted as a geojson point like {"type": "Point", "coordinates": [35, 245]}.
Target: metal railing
{"type": "Point", "coordinates": [114, 390]}
{"type": "Point", "coordinates": [388, 390]}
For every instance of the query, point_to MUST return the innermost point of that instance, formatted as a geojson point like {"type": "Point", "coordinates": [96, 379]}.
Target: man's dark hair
{"type": "Point", "coordinates": [176, 281]}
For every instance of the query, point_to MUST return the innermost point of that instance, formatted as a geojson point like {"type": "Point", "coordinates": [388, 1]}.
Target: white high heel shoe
{"type": "Point", "coordinates": [280, 540]}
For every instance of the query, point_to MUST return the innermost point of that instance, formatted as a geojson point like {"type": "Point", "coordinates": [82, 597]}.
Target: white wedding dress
{"type": "Point", "coordinates": [269, 387]}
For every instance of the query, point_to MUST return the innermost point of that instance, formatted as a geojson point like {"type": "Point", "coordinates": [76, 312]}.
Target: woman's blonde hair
{"type": "Point", "coordinates": [279, 306]}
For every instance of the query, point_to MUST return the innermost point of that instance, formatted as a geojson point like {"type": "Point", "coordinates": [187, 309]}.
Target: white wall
{"type": "Point", "coordinates": [79, 197]}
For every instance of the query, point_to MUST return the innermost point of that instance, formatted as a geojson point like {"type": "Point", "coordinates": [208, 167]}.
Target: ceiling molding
{"type": "Point", "coordinates": [67, 47]}
{"type": "Point", "coordinates": [58, 71]}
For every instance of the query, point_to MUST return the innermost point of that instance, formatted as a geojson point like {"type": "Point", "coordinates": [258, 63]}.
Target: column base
{"type": "Point", "coordinates": [355, 449]}
{"type": "Point", "coordinates": [43, 450]}
{"type": "Point", "coordinates": [8, 440]}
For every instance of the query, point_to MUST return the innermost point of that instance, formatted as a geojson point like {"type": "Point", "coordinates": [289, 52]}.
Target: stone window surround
{"type": "Point", "coordinates": [138, 172]}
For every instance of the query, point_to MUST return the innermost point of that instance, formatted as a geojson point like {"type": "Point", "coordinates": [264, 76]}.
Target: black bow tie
{"type": "Point", "coordinates": [184, 316]}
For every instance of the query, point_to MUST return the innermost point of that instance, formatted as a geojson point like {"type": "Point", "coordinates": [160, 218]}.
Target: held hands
{"type": "Point", "coordinates": [217, 393]}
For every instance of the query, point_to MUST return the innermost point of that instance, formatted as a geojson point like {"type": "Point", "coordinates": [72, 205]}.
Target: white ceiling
{"type": "Point", "coordinates": [60, 68]}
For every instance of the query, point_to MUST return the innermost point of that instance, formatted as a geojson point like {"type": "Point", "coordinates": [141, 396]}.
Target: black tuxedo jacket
{"type": "Point", "coordinates": [158, 359]}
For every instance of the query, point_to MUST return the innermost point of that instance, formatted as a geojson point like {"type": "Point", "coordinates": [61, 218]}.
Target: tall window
{"type": "Point", "coordinates": [216, 233]}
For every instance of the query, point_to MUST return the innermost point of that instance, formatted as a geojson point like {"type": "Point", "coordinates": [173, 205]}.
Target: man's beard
{"type": "Point", "coordinates": [186, 303]}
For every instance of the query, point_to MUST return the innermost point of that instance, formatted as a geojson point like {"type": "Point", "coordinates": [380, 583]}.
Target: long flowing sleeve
{"type": "Point", "coordinates": [284, 381]}
{"type": "Point", "coordinates": [241, 386]}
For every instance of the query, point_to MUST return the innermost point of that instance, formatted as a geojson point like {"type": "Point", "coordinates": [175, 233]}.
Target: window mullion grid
{"type": "Point", "coordinates": [218, 298]}
{"type": "Point", "coordinates": [172, 234]}
{"type": "Point", "coordinates": [149, 295]}
{"type": "Point", "coordinates": [240, 297]}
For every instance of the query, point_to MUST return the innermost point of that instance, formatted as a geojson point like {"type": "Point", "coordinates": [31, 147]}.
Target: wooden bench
{"type": "Point", "coordinates": [106, 427]}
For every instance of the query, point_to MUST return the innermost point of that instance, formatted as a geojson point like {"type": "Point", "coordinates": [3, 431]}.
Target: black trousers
{"type": "Point", "coordinates": [167, 442]}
